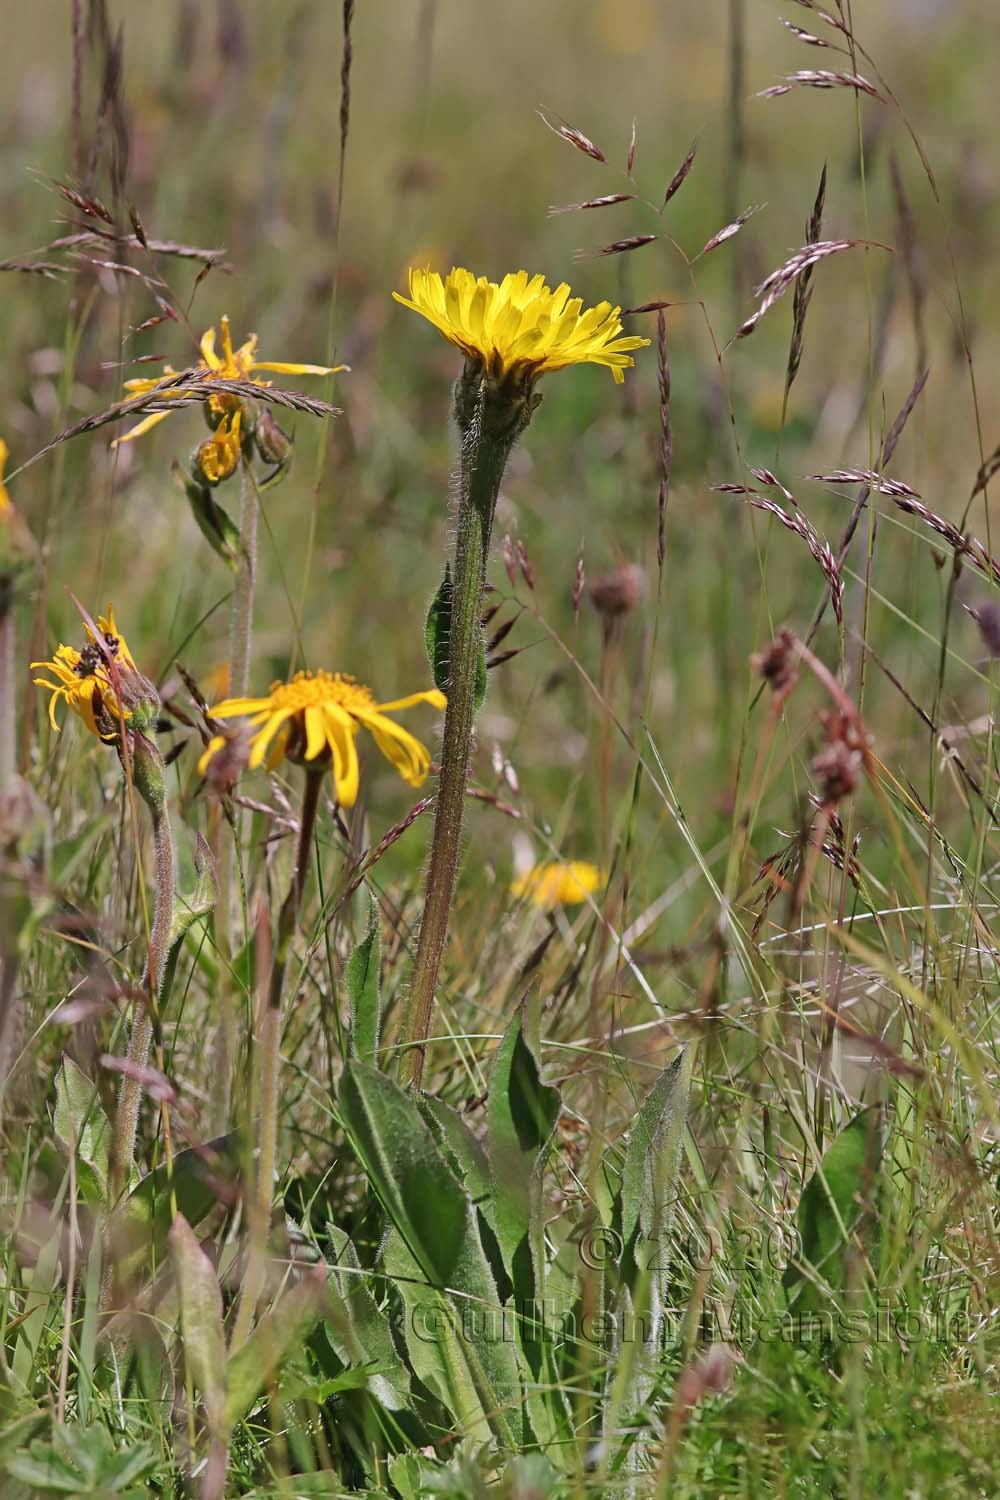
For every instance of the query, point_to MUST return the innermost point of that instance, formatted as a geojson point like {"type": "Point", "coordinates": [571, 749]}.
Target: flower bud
{"type": "Point", "coordinates": [273, 445]}
{"type": "Point", "coordinates": [148, 773]}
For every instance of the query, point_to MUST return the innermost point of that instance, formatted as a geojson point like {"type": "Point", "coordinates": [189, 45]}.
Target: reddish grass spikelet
{"type": "Point", "coordinates": [776, 285]}
{"type": "Point", "coordinates": [810, 39]}
{"type": "Point", "coordinates": [803, 287]}
{"type": "Point", "coordinates": [912, 258]}
{"type": "Point", "coordinates": [621, 247]}
{"type": "Point", "coordinates": [575, 137]}
{"type": "Point", "coordinates": [604, 202]}
{"type": "Point", "coordinates": [509, 563]}
{"type": "Point", "coordinates": [86, 203]}
{"type": "Point", "coordinates": [820, 78]}
{"type": "Point", "coordinates": [579, 579]}
{"type": "Point", "coordinates": [630, 158]}
{"type": "Point", "coordinates": [47, 268]}
{"type": "Point", "coordinates": [727, 232]}
{"type": "Point", "coordinates": [680, 176]}
{"type": "Point", "coordinates": [820, 549]}
{"type": "Point", "coordinates": [881, 482]}
{"type": "Point", "coordinates": [646, 307]}
{"type": "Point", "coordinates": [986, 473]}
{"type": "Point", "coordinates": [137, 226]}
{"type": "Point", "coordinates": [346, 59]}
{"type": "Point", "coordinates": [524, 563]}
{"type": "Point", "coordinates": [772, 482]}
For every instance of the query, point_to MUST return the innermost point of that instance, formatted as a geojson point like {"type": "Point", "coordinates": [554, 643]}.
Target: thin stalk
{"type": "Point", "coordinates": [489, 419]}
{"type": "Point", "coordinates": [8, 746]}
{"type": "Point", "coordinates": [8, 765]}
{"type": "Point", "coordinates": [127, 1114]}
{"type": "Point", "coordinates": [240, 644]}
{"type": "Point", "coordinates": [270, 1058]}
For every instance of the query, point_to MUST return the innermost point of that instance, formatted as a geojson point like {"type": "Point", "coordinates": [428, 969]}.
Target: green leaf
{"type": "Point", "coordinates": [214, 524]}
{"type": "Point", "coordinates": [45, 1471]}
{"type": "Point", "coordinates": [361, 977]}
{"type": "Point", "coordinates": [14, 1436]}
{"type": "Point", "coordinates": [832, 1202]}
{"type": "Point", "coordinates": [251, 1368]}
{"type": "Point", "coordinates": [201, 1321]}
{"type": "Point", "coordinates": [437, 634]}
{"type": "Point", "coordinates": [464, 1154]}
{"type": "Point", "coordinates": [652, 1162]}
{"type": "Point", "coordinates": [522, 1116]}
{"type": "Point", "coordinates": [146, 1214]}
{"type": "Point", "coordinates": [358, 1330]}
{"type": "Point", "coordinates": [82, 1128]}
{"type": "Point", "coordinates": [437, 1227]}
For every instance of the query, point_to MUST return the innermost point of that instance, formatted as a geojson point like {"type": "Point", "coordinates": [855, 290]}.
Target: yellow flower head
{"type": "Point", "coordinates": [558, 883]}
{"type": "Point", "coordinates": [520, 326]}
{"type": "Point", "coordinates": [316, 716]}
{"type": "Point", "coordinates": [100, 684]}
{"type": "Point", "coordinates": [231, 364]}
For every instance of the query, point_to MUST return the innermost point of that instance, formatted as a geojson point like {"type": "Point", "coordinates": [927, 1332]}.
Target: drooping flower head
{"type": "Point", "coordinates": [100, 684]}
{"type": "Point", "coordinates": [558, 883]}
{"type": "Point", "coordinates": [231, 364]}
{"type": "Point", "coordinates": [315, 718]}
{"type": "Point", "coordinates": [519, 326]}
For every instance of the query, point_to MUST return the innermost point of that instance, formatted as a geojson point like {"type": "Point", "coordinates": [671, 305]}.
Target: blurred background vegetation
{"type": "Point", "coordinates": [232, 136]}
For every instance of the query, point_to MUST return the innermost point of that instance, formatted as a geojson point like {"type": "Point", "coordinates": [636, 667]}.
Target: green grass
{"type": "Point", "coordinates": [815, 1184]}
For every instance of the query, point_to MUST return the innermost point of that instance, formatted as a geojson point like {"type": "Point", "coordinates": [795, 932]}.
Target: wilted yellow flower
{"type": "Point", "coordinates": [86, 683]}
{"type": "Point", "coordinates": [316, 717]}
{"type": "Point", "coordinates": [558, 883]}
{"type": "Point", "coordinates": [232, 364]}
{"type": "Point", "coordinates": [520, 326]}
{"type": "Point", "coordinates": [4, 496]}
{"type": "Point", "coordinates": [217, 456]}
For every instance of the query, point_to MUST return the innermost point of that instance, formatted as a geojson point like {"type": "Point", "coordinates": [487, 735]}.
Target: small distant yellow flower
{"type": "Point", "coordinates": [84, 682]}
{"type": "Point", "coordinates": [558, 883]}
{"type": "Point", "coordinates": [232, 364]}
{"type": "Point", "coordinates": [520, 326]}
{"type": "Point", "coordinates": [317, 715]}
{"type": "Point", "coordinates": [4, 495]}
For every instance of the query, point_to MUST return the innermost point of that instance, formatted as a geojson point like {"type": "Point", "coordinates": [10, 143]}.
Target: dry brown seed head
{"type": "Point", "coordinates": [777, 664]}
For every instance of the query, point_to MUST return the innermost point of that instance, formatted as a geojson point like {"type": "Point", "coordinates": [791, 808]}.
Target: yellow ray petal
{"type": "Point", "coordinates": [141, 428]}
{"type": "Point", "coordinates": [435, 698]}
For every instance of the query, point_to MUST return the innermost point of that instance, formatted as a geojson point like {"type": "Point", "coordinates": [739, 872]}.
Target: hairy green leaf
{"type": "Point", "coordinates": [362, 980]}
{"type": "Point", "coordinates": [201, 1320]}
{"type": "Point", "coordinates": [82, 1128]}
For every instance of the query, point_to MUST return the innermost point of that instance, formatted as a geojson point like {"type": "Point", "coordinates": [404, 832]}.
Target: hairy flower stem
{"type": "Point", "coordinates": [270, 1058]}
{"type": "Point", "coordinates": [490, 417]}
{"type": "Point", "coordinates": [130, 1095]}
{"type": "Point", "coordinates": [240, 642]}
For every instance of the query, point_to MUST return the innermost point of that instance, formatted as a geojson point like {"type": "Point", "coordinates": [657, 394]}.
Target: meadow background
{"type": "Point", "coordinates": [631, 742]}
